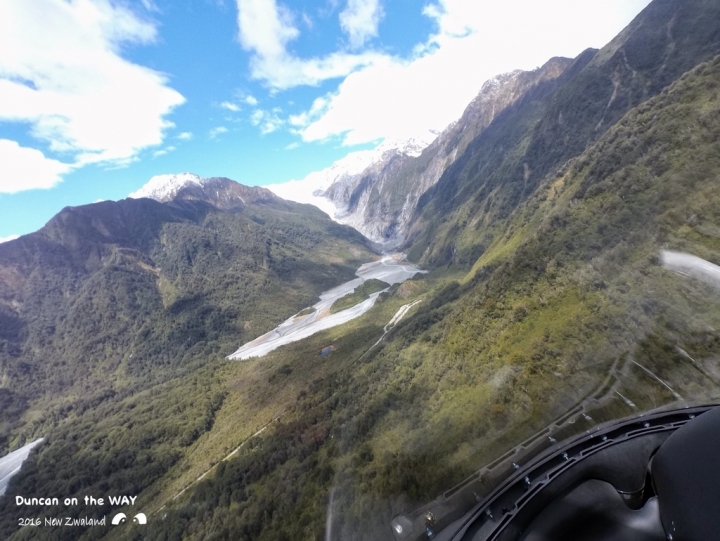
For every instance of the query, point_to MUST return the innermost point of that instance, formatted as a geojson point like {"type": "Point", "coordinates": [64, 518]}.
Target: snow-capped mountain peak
{"type": "Point", "coordinates": [310, 189]}
{"type": "Point", "coordinates": [165, 187]}
{"type": "Point", "coordinates": [412, 146]}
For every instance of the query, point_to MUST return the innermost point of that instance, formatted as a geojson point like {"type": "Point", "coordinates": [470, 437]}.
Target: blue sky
{"type": "Point", "coordinates": [107, 94]}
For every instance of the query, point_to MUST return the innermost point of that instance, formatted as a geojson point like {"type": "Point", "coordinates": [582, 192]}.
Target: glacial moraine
{"type": "Point", "coordinates": [391, 269]}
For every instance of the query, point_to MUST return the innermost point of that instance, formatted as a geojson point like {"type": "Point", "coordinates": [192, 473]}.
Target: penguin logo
{"type": "Point", "coordinates": [119, 519]}
{"type": "Point", "coordinates": [140, 518]}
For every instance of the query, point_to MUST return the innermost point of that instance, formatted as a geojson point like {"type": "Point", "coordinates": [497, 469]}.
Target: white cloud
{"type": "Point", "coordinates": [474, 40]}
{"type": "Point", "coordinates": [185, 136]}
{"type": "Point", "coordinates": [71, 85]}
{"type": "Point", "coordinates": [217, 131]}
{"type": "Point", "coordinates": [360, 20]}
{"type": "Point", "coordinates": [163, 151]}
{"type": "Point", "coordinates": [150, 5]}
{"type": "Point", "coordinates": [319, 106]}
{"type": "Point", "coordinates": [230, 106]}
{"type": "Point", "coordinates": [307, 21]}
{"type": "Point", "coordinates": [256, 117]}
{"type": "Point", "coordinates": [266, 28]}
{"type": "Point", "coordinates": [251, 100]}
{"type": "Point", "coordinates": [267, 121]}
{"type": "Point", "coordinates": [27, 168]}
{"type": "Point", "coordinates": [8, 238]}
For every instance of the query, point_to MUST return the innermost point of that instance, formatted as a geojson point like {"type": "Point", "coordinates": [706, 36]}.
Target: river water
{"type": "Point", "coordinates": [392, 269]}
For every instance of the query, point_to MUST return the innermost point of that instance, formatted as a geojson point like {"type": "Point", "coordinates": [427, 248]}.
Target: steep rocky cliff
{"type": "Point", "coordinates": [530, 143]}
{"type": "Point", "coordinates": [380, 200]}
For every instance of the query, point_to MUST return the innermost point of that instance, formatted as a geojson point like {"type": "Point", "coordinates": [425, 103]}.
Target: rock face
{"type": "Point", "coordinates": [380, 200]}
{"type": "Point", "coordinates": [345, 173]}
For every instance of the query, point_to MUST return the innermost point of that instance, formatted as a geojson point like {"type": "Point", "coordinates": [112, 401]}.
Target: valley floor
{"type": "Point", "coordinates": [391, 269]}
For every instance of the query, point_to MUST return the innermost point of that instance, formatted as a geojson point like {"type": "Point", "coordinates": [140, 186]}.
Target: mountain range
{"type": "Point", "coordinates": [541, 215]}
{"type": "Point", "coordinates": [114, 293]}
{"type": "Point", "coordinates": [317, 188]}
{"type": "Point", "coordinates": [376, 192]}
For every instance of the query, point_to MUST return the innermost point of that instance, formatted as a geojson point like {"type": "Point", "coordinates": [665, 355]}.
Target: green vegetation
{"type": "Point", "coordinates": [115, 317]}
{"type": "Point", "coordinates": [554, 122]}
{"type": "Point", "coordinates": [306, 311]}
{"type": "Point", "coordinates": [362, 292]}
{"type": "Point", "coordinates": [115, 296]}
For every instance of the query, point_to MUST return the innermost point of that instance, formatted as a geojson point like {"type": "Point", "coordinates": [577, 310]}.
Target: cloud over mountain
{"type": "Point", "coordinates": [81, 98]}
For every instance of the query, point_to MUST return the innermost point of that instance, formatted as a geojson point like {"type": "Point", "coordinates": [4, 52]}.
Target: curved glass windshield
{"type": "Point", "coordinates": [671, 363]}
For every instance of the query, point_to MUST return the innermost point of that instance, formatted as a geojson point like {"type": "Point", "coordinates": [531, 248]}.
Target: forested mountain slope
{"type": "Point", "coordinates": [531, 140]}
{"type": "Point", "coordinates": [117, 295]}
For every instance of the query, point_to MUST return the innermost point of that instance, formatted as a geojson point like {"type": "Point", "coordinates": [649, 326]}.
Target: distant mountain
{"type": "Point", "coordinates": [377, 191]}
{"type": "Point", "coordinates": [312, 189]}
{"type": "Point", "coordinates": [115, 295]}
{"type": "Point", "coordinates": [381, 199]}
{"type": "Point", "coordinates": [163, 188]}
